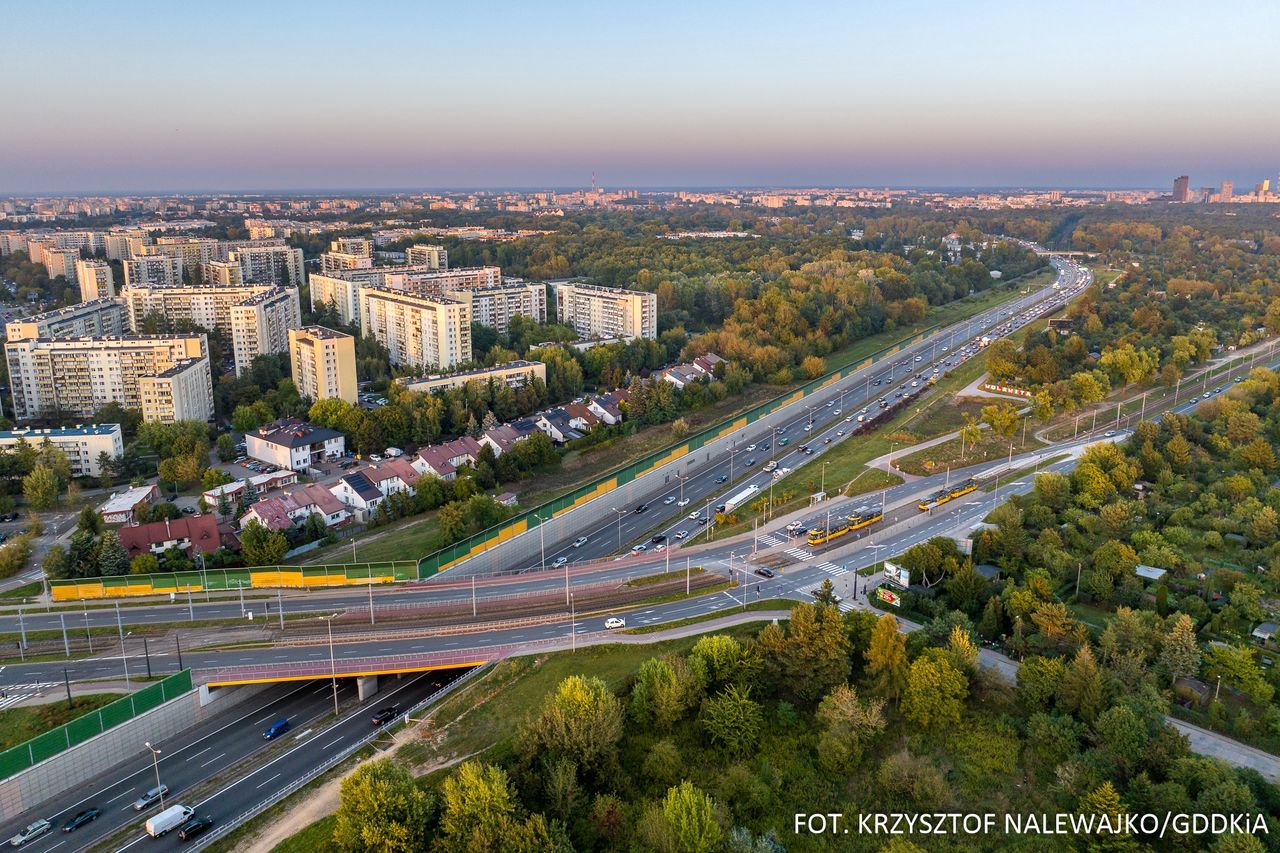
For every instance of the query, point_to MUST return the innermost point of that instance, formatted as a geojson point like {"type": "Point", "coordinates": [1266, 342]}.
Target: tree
{"type": "Point", "coordinates": [112, 558]}
{"type": "Point", "coordinates": [262, 547]}
{"type": "Point", "coordinates": [811, 657]}
{"type": "Point", "coordinates": [1081, 691]}
{"type": "Point", "coordinates": [1237, 666]}
{"type": "Point", "coordinates": [847, 724]}
{"type": "Point", "coordinates": [1179, 649]}
{"type": "Point", "coordinates": [41, 488]}
{"type": "Point", "coordinates": [1105, 800]}
{"type": "Point", "coordinates": [732, 720]}
{"type": "Point", "coordinates": [887, 658]}
{"type": "Point", "coordinates": [825, 593]}
{"type": "Point", "coordinates": [665, 689]}
{"type": "Point", "coordinates": [580, 722]}
{"type": "Point", "coordinates": [144, 564]}
{"type": "Point", "coordinates": [477, 801]}
{"type": "Point", "coordinates": [89, 520]}
{"type": "Point", "coordinates": [381, 808]}
{"type": "Point", "coordinates": [690, 813]}
{"type": "Point", "coordinates": [1123, 735]}
{"type": "Point", "coordinates": [226, 446]}
{"type": "Point", "coordinates": [55, 563]}
{"type": "Point", "coordinates": [935, 693]}
{"type": "Point", "coordinates": [1003, 419]}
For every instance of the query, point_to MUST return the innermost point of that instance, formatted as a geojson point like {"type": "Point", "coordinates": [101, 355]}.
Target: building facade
{"type": "Point", "coordinates": [261, 324]}
{"type": "Point", "coordinates": [433, 257]}
{"type": "Point", "coordinates": [494, 305]}
{"type": "Point", "coordinates": [607, 312]}
{"type": "Point", "coordinates": [514, 374]}
{"type": "Point", "coordinates": [153, 271]}
{"type": "Point", "coordinates": [82, 445]}
{"type": "Point", "coordinates": [276, 264]}
{"type": "Point", "coordinates": [323, 363]}
{"type": "Point", "coordinates": [416, 330]}
{"type": "Point", "coordinates": [294, 445]}
{"type": "Point", "coordinates": [95, 279]}
{"type": "Point", "coordinates": [62, 262]}
{"type": "Point", "coordinates": [97, 317]}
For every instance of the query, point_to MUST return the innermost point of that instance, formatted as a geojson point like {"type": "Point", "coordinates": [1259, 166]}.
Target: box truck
{"type": "Point", "coordinates": [169, 819]}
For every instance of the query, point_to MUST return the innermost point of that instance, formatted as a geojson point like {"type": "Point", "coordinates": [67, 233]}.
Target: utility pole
{"type": "Point", "coordinates": [123, 658]}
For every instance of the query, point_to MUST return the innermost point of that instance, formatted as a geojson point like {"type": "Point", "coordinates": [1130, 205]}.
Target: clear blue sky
{"type": "Point", "coordinates": [279, 95]}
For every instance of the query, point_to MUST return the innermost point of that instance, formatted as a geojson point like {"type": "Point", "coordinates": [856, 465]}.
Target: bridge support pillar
{"type": "Point", "coordinates": [366, 686]}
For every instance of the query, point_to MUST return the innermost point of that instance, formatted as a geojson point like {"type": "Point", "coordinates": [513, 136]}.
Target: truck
{"type": "Point", "coordinates": [393, 452]}
{"type": "Point", "coordinates": [740, 498]}
{"type": "Point", "coordinates": [169, 819]}
{"type": "Point", "coordinates": [984, 341]}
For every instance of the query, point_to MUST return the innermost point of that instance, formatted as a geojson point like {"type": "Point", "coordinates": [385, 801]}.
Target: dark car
{"type": "Point", "coordinates": [723, 478]}
{"type": "Point", "coordinates": [195, 826]}
{"type": "Point", "coordinates": [764, 573]}
{"type": "Point", "coordinates": [385, 715]}
{"type": "Point", "coordinates": [764, 445]}
{"type": "Point", "coordinates": [642, 508]}
{"type": "Point", "coordinates": [276, 729]}
{"type": "Point", "coordinates": [88, 815]}
{"type": "Point", "coordinates": [660, 537]}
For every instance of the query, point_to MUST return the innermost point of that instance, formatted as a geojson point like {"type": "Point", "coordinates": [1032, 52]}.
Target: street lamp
{"type": "Point", "coordinates": [823, 487]}
{"type": "Point", "coordinates": [732, 454]}
{"type": "Point", "coordinates": [542, 542]}
{"type": "Point", "coordinates": [155, 762]}
{"type": "Point", "coordinates": [621, 513]}
{"type": "Point", "coordinates": [573, 625]}
{"type": "Point", "coordinates": [682, 479]}
{"type": "Point", "coordinates": [333, 666]}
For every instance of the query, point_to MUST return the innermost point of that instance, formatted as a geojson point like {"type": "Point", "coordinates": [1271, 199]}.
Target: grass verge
{"type": "Point", "coordinates": [21, 724]}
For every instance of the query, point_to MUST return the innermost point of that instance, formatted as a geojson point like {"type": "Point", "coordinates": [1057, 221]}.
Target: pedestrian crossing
{"type": "Point", "coordinates": [770, 540]}
{"type": "Point", "coordinates": [799, 553]}
{"type": "Point", "coordinates": [833, 569]}
{"type": "Point", "coordinates": [17, 694]}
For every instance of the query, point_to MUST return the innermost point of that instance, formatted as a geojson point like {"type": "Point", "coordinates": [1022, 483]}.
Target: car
{"type": "Point", "coordinates": [636, 549]}
{"type": "Point", "coordinates": [615, 622]}
{"type": "Point", "coordinates": [375, 457]}
{"type": "Point", "coordinates": [849, 419]}
{"type": "Point", "coordinates": [750, 462]}
{"type": "Point", "coordinates": [559, 561]}
{"type": "Point", "coordinates": [669, 499]}
{"type": "Point", "coordinates": [681, 534]}
{"type": "Point", "coordinates": [1205, 395]}
{"type": "Point", "coordinates": [195, 826]}
{"type": "Point", "coordinates": [152, 795]}
{"type": "Point", "coordinates": [658, 537]}
{"type": "Point", "coordinates": [839, 433]}
{"type": "Point", "coordinates": [808, 451]}
{"type": "Point", "coordinates": [81, 817]}
{"type": "Point", "coordinates": [385, 715]}
{"type": "Point", "coordinates": [30, 832]}
{"type": "Point", "coordinates": [808, 427]}
{"type": "Point", "coordinates": [693, 516]}
{"type": "Point", "coordinates": [188, 510]}
{"type": "Point", "coordinates": [764, 573]}
{"type": "Point", "coordinates": [803, 448]}
{"type": "Point", "coordinates": [750, 447]}
{"type": "Point", "coordinates": [276, 729]}
{"type": "Point", "coordinates": [918, 358]}
{"type": "Point", "coordinates": [642, 508]}
{"type": "Point", "coordinates": [1109, 433]}
{"type": "Point", "coordinates": [830, 403]}
{"type": "Point", "coordinates": [723, 478]}
{"type": "Point", "coordinates": [836, 413]}
{"type": "Point", "coordinates": [826, 440]}
{"type": "Point", "coordinates": [764, 445]}
{"type": "Point", "coordinates": [1238, 379]}
{"type": "Point", "coordinates": [877, 382]}
{"type": "Point", "coordinates": [702, 521]}
{"type": "Point", "coordinates": [659, 548]}
{"type": "Point", "coordinates": [682, 502]}
{"type": "Point", "coordinates": [783, 442]}
{"type": "Point", "coordinates": [580, 541]}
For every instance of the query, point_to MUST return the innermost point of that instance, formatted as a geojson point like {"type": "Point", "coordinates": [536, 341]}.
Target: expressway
{"type": "Point", "coordinates": [221, 748]}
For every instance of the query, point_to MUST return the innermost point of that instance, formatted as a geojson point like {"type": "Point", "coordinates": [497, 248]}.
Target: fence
{"type": "Point", "coordinates": [182, 583]}
{"type": "Point", "coordinates": [45, 746]}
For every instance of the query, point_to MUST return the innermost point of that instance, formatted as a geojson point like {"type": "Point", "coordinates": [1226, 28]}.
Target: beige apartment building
{"type": "Point", "coordinates": [494, 305]}
{"type": "Point", "coordinates": [95, 279]}
{"type": "Point", "coordinates": [190, 251]}
{"type": "Point", "coordinates": [434, 257]}
{"type": "Point", "coordinates": [607, 312]}
{"type": "Point", "coordinates": [153, 271]}
{"type": "Point", "coordinates": [341, 288]}
{"type": "Point", "coordinates": [78, 376]}
{"type": "Point", "coordinates": [270, 264]}
{"type": "Point", "coordinates": [416, 330]}
{"type": "Point", "coordinates": [123, 245]}
{"type": "Point", "coordinates": [359, 246]}
{"type": "Point", "coordinates": [323, 363]}
{"type": "Point", "coordinates": [221, 274]}
{"type": "Point", "coordinates": [61, 262]}
{"type": "Point", "coordinates": [256, 317]}
{"type": "Point", "coordinates": [97, 317]}
{"type": "Point", "coordinates": [514, 374]}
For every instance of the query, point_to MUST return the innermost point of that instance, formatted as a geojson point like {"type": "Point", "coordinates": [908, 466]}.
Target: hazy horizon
{"type": "Point", "coordinates": [141, 96]}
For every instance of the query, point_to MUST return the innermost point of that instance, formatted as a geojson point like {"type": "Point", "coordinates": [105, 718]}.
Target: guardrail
{"type": "Point", "coordinates": [332, 761]}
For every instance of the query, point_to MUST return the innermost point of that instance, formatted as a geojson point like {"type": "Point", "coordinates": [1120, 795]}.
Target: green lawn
{"type": "Point", "coordinates": [313, 839]}
{"type": "Point", "coordinates": [21, 724]}
{"type": "Point", "coordinates": [933, 460]}
{"type": "Point", "coordinates": [408, 539]}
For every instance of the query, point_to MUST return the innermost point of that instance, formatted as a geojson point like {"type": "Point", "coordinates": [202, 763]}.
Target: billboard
{"type": "Point", "coordinates": [896, 574]}
{"type": "Point", "coordinates": [888, 596]}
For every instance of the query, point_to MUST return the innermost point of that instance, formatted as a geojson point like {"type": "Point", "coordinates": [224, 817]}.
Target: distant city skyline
{"type": "Point", "coordinates": [292, 96]}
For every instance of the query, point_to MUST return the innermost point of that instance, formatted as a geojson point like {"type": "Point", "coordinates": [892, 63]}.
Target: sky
{"type": "Point", "coordinates": [278, 95]}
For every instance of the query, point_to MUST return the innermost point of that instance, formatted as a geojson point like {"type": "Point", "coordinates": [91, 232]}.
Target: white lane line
{"type": "Point", "coordinates": [304, 734]}
{"type": "Point", "coordinates": [217, 757]}
{"type": "Point", "coordinates": [116, 797]}
{"type": "Point", "coordinates": [267, 781]}
{"type": "Point", "coordinates": [331, 743]}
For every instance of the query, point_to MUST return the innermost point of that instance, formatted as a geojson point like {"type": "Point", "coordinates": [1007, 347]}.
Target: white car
{"type": "Point", "coordinates": [636, 549]}
{"type": "Point", "coordinates": [580, 541]}
{"type": "Point", "coordinates": [836, 413]}
{"type": "Point", "coordinates": [680, 534]}
{"type": "Point", "coordinates": [693, 516]}
{"type": "Point", "coordinates": [750, 447]}
{"type": "Point", "coordinates": [669, 499]}
{"type": "Point", "coordinates": [809, 427]}
{"type": "Point", "coordinates": [614, 622]}
{"type": "Point", "coordinates": [31, 832]}
{"type": "Point", "coordinates": [659, 548]}
{"type": "Point", "coordinates": [682, 502]}
{"type": "Point", "coordinates": [560, 561]}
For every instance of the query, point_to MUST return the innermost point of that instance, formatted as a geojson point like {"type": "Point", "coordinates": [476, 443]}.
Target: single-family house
{"type": "Point", "coordinates": [292, 508]}
{"type": "Point", "coordinates": [502, 438]}
{"type": "Point", "coordinates": [605, 409]}
{"type": "Point", "coordinates": [293, 444]}
{"type": "Point", "coordinates": [262, 484]}
{"type": "Point", "coordinates": [443, 460]}
{"type": "Point", "coordinates": [120, 507]}
{"type": "Point", "coordinates": [193, 533]}
{"type": "Point", "coordinates": [558, 425]}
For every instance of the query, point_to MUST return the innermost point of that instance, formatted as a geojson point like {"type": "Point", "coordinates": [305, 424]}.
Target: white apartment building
{"type": "Point", "coordinates": [95, 279]}
{"type": "Point", "coordinates": [191, 251]}
{"type": "Point", "coordinates": [153, 271]}
{"type": "Point", "coordinates": [435, 257]}
{"type": "Point", "coordinates": [494, 305]}
{"type": "Point", "coordinates": [416, 330]}
{"type": "Point", "coordinates": [341, 288]}
{"type": "Point", "coordinates": [323, 363]}
{"type": "Point", "coordinates": [61, 262]}
{"type": "Point", "coordinates": [607, 312]}
{"type": "Point", "coordinates": [221, 274]}
{"type": "Point", "coordinates": [514, 374]}
{"type": "Point", "coordinates": [98, 317]}
{"type": "Point", "coordinates": [261, 324]}
{"type": "Point", "coordinates": [123, 245]}
{"type": "Point", "coordinates": [83, 445]}
{"type": "Point", "coordinates": [78, 376]}
{"type": "Point", "coordinates": [272, 264]}
{"type": "Point", "coordinates": [184, 392]}
{"type": "Point", "coordinates": [256, 317]}
{"type": "Point", "coordinates": [334, 261]}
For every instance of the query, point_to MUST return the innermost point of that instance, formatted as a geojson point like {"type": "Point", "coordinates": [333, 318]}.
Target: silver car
{"type": "Point", "coordinates": [31, 832]}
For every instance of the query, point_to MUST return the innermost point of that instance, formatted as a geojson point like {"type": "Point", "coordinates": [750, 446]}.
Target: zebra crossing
{"type": "Point", "coordinates": [19, 693]}
{"type": "Point", "coordinates": [770, 540]}
{"type": "Point", "coordinates": [833, 569]}
{"type": "Point", "coordinates": [799, 554]}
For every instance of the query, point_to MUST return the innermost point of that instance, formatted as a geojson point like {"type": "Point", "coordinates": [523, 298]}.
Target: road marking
{"type": "Point", "coordinates": [272, 779]}
{"type": "Point", "coordinates": [263, 720]}
{"type": "Point", "coordinates": [215, 758]}
{"type": "Point", "coordinates": [116, 797]}
{"type": "Point", "coordinates": [304, 734]}
{"type": "Point", "coordinates": [331, 743]}
{"type": "Point", "coordinates": [201, 752]}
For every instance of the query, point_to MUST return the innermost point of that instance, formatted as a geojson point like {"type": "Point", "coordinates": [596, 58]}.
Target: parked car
{"type": "Point", "coordinates": [31, 832]}
{"type": "Point", "coordinates": [276, 729]}
{"type": "Point", "coordinates": [195, 826]}
{"type": "Point", "coordinates": [615, 622]}
{"type": "Point", "coordinates": [152, 795]}
{"type": "Point", "coordinates": [81, 817]}
{"type": "Point", "coordinates": [385, 715]}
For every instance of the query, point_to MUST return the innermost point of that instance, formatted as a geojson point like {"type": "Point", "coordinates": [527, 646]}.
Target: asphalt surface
{"type": "Point", "coordinates": [226, 747]}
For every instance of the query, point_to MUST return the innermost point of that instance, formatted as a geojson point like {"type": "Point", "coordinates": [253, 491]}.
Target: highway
{"type": "Point", "coordinates": [220, 748]}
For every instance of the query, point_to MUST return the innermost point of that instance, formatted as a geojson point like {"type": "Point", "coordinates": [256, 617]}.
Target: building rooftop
{"type": "Point", "coordinates": [30, 433]}
{"type": "Point", "coordinates": [323, 332]}
{"type": "Point", "coordinates": [294, 433]}
{"type": "Point", "coordinates": [127, 500]}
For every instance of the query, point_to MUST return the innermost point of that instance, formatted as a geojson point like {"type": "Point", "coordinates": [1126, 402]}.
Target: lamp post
{"type": "Point", "coordinates": [732, 454]}
{"type": "Point", "coordinates": [620, 512]}
{"type": "Point", "coordinates": [573, 625]}
{"type": "Point", "coordinates": [333, 666]}
{"type": "Point", "coordinates": [123, 658]}
{"type": "Point", "coordinates": [682, 479]}
{"type": "Point", "coordinates": [542, 542]}
{"type": "Point", "coordinates": [823, 486]}
{"type": "Point", "coordinates": [155, 762]}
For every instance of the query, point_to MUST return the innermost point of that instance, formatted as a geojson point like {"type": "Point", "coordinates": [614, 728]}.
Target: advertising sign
{"type": "Point", "coordinates": [888, 596]}
{"type": "Point", "coordinates": [896, 574]}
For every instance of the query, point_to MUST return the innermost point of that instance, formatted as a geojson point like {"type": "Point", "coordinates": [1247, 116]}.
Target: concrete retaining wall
{"type": "Point", "coordinates": [76, 766]}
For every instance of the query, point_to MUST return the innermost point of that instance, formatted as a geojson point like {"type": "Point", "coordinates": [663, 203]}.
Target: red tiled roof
{"type": "Point", "coordinates": [202, 530]}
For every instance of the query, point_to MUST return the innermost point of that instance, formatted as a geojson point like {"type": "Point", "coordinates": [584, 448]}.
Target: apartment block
{"type": "Point", "coordinates": [261, 324]}
{"type": "Point", "coordinates": [184, 392]}
{"type": "Point", "coordinates": [335, 261]}
{"type": "Point", "coordinates": [256, 317]}
{"type": "Point", "coordinates": [95, 279]}
{"type": "Point", "coordinates": [221, 274]}
{"type": "Point", "coordinates": [123, 245]}
{"type": "Point", "coordinates": [434, 257]}
{"type": "Point", "coordinates": [77, 376]}
{"type": "Point", "coordinates": [191, 251]}
{"type": "Point", "coordinates": [153, 271]}
{"type": "Point", "coordinates": [416, 330]}
{"type": "Point", "coordinates": [514, 374]}
{"type": "Point", "coordinates": [61, 262]}
{"type": "Point", "coordinates": [82, 445]}
{"type": "Point", "coordinates": [495, 304]}
{"type": "Point", "coordinates": [96, 317]}
{"type": "Point", "coordinates": [607, 312]}
{"type": "Point", "coordinates": [341, 288]}
{"type": "Point", "coordinates": [273, 264]}
{"type": "Point", "coordinates": [323, 363]}
{"type": "Point", "coordinates": [359, 246]}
